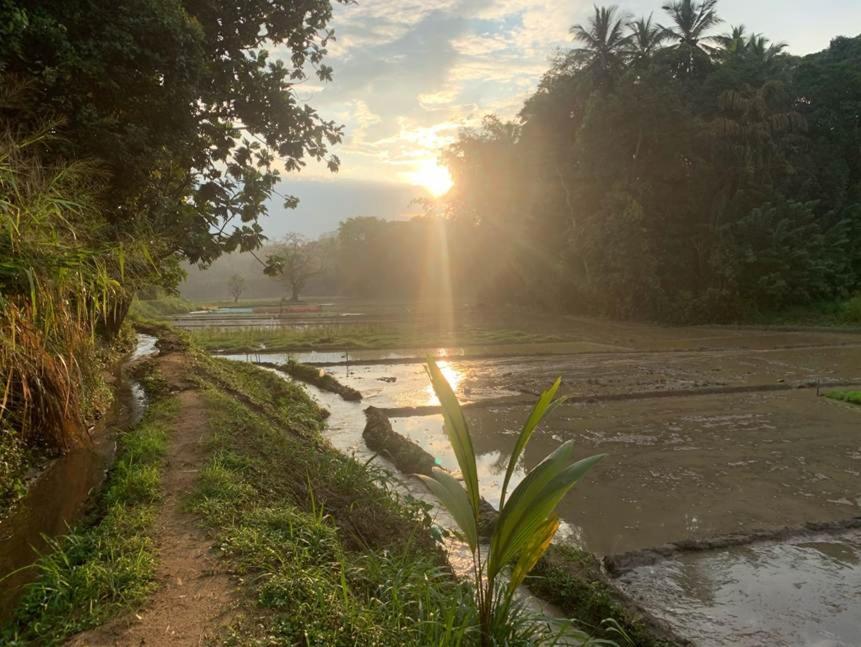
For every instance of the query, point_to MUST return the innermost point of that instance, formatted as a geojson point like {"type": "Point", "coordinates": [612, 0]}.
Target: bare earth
{"type": "Point", "coordinates": [195, 597]}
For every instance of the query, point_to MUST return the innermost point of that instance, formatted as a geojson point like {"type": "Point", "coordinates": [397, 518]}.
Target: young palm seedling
{"type": "Point", "coordinates": [527, 518]}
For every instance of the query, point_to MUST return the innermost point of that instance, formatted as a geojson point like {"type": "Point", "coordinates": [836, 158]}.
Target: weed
{"type": "Point", "coordinates": [853, 397]}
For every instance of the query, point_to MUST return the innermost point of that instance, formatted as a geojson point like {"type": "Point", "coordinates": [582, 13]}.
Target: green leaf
{"type": "Point", "coordinates": [541, 408]}
{"type": "Point", "coordinates": [532, 501]}
{"type": "Point", "coordinates": [457, 431]}
{"type": "Point", "coordinates": [532, 552]}
{"type": "Point", "coordinates": [452, 495]}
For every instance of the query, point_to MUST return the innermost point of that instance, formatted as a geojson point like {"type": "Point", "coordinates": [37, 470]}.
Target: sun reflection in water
{"type": "Point", "coordinates": [452, 376]}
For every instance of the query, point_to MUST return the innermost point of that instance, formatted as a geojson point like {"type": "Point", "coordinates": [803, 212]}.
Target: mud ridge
{"type": "Point", "coordinates": [316, 376]}
{"type": "Point", "coordinates": [430, 410]}
{"type": "Point", "coordinates": [618, 565]}
{"type": "Point", "coordinates": [410, 458]}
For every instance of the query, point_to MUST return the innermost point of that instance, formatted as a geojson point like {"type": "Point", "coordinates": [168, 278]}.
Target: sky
{"type": "Point", "coordinates": [410, 73]}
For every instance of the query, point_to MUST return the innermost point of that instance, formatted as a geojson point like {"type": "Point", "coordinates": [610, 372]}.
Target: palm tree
{"type": "Point", "coordinates": [691, 21]}
{"type": "Point", "coordinates": [762, 49]}
{"type": "Point", "coordinates": [603, 41]}
{"type": "Point", "coordinates": [733, 43]}
{"type": "Point", "coordinates": [645, 38]}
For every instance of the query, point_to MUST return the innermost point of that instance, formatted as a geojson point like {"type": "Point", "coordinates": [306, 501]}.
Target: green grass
{"type": "Point", "coordinates": [853, 397]}
{"type": "Point", "coordinates": [356, 337]}
{"type": "Point", "coordinates": [158, 309]}
{"type": "Point", "coordinates": [97, 570]}
{"type": "Point", "coordinates": [328, 555]}
{"type": "Point", "coordinates": [846, 312]}
{"type": "Point", "coordinates": [15, 459]}
{"type": "Point", "coordinates": [573, 581]}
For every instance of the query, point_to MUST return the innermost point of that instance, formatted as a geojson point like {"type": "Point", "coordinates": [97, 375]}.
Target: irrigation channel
{"type": "Point", "coordinates": [710, 450]}
{"type": "Point", "coordinates": [61, 492]}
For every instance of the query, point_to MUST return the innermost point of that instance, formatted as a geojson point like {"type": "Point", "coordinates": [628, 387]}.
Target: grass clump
{"type": "Point", "coordinates": [853, 397]}
{"type": "Point", "coordinates": [96, 570]}
{"type": "Point", "coordinates": [159, 308]}
{"type": "Point", "coordinates": [328, 554]}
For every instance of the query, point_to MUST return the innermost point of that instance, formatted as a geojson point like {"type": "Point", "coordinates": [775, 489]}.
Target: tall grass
{"type": "Point", "coordinates": [57, 282]}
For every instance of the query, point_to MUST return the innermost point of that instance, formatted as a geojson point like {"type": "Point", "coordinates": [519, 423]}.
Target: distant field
{"type": "Point", "coordinates": [353, 337]}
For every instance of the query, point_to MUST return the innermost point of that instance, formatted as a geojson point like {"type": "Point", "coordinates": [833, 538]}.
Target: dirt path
{"type": "Point", "coordinates": [194, 597]}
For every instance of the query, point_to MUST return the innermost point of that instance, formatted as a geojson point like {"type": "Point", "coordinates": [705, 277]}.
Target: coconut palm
{"type": "Point", "coordinates": [734, 42]}
{"type": "Point", "coordinates": [762, 49]}
{"type": "Point", "coordinates": [604, 42]}
{"type": "Point", "coordinates": [645, 38]}
{"type": "Point", "coordinates": [691, 22]}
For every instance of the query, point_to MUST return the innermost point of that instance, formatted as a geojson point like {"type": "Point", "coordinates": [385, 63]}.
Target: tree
{"type": "Point", "coordinates": [236, 286]}
{"type": "Point", "coordinates": [691, 22]}
{"type": "Point", "coordinates": [181, 104]}
{"type": "Point", "coordinates": [645, 39]}
{"type": "Point", "coordinates": [603, 43]}
{"type": "Point", "coordinates": [294, 261]}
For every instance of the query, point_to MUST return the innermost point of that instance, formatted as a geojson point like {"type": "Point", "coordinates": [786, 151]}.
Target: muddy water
{"type": "Point", "coordinates": [693, 466]}
{"type": "Point", "coordinates": [801, 592]}
{"type": "Point", "coordinates": [61, 493]}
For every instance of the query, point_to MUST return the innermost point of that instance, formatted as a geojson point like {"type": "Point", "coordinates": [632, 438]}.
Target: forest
{"type": "Point", "coordinates": [670, 167]}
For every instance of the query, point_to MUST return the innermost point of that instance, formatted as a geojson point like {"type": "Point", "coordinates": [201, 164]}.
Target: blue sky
{"type": "Point", "coordinates": [410, 73]}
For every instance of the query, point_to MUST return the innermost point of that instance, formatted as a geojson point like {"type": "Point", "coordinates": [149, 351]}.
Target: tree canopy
{"type": "Point", "coordinates": [181, 104]}
{"type": "Point", "coordinates": [676, 172]}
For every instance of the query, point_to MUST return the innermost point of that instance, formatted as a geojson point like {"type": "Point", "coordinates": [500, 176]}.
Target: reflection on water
{"type": "Point", "coordinates": [797, 592]}
{"type": "Point", "coordinates": [690, 467]}
{"type": "Point", "coordinates": [452, 375]}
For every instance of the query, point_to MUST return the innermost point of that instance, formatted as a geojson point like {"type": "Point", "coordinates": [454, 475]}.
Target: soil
{"type": "Point", "coordinates": [195, 597]}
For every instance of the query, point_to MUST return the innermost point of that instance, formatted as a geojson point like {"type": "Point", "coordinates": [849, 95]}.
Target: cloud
{"type": "Point", "coordinates": [410, 73]}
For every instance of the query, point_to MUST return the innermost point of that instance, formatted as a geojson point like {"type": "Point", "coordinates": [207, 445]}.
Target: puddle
{"type": "Point", "coordinates": [61, 493]}
{"type": "Point", "coordinates": [801, 592]}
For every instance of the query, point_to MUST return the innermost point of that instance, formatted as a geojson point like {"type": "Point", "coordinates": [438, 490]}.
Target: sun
{"type": "Point", "coordinates": [433, 177]}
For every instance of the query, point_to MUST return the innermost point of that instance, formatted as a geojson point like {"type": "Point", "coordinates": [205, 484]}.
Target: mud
{"type": "Point", "coordinates": [315, 376]}
{"type": "Point", "coordinates": [716, 436]}
{"type": "Point", "coordinates": [618, 565]}
{"type": "Point", "coordinates": [407, 456]}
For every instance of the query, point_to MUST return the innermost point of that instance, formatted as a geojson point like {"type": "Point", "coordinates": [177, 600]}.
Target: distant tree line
{"type": "Point", "coordinates": [664, 169]}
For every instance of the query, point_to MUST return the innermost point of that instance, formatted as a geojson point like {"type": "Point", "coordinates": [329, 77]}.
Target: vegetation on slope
{"type": "Point", "coordinates": [327, 554]}
{"type": "Point", "coordinates": [103, 567]}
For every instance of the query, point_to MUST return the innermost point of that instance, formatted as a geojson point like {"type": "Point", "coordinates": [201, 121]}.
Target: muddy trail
{"type": "Point", "coordinates": [194, 596]}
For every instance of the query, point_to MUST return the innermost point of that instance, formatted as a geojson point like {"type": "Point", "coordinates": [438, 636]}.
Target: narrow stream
{"type": "Point", "coordinates": [61, 494]}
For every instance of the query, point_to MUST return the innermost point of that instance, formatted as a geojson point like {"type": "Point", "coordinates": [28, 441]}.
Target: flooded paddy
{"type": "Point", "coordinates": [709, 431]}
{"type": "Point", "coordinates": [801, 591]}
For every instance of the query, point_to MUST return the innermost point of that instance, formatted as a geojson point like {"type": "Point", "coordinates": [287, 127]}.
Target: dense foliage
{"type": "Point", "coordinates": [180, 103]}
{"type": "Point", "coordinates": [133, 136]}
{"type": "Point", "coordinates": [669, 171]}
{"type": "Point", "coordinates": [666, 168]}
